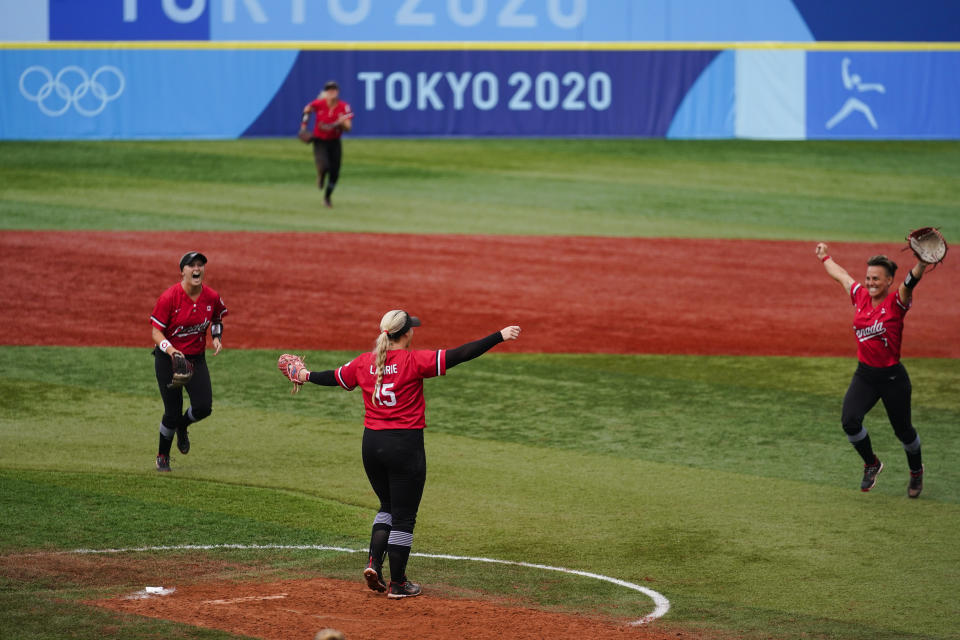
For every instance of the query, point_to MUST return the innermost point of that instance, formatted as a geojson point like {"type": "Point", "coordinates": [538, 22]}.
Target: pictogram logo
{"type": "Point", "coordinates": [71, 85]}
{"type": "Point", "coordinates": [853, 81]}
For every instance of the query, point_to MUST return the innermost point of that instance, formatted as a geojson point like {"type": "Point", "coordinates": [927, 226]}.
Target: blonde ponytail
{"type": "Point", "coordinates": [391, 322]}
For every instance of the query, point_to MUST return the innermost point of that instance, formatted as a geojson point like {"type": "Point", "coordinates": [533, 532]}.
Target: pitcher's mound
{"type": "Point", "coordinates": [299, 608]}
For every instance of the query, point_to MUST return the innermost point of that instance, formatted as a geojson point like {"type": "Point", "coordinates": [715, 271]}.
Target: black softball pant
{"type": "Point", "coordinates": [199, 390]}
{"type": "Point", "coordinates": [396, 465]}
{"type": "Point", "coordinates": [327, 155]}
{"type": "Point", "coordinates": [892, 386]}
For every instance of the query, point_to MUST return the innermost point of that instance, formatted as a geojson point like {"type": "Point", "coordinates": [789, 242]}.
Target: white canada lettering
{"type": "Point", "coordinates": [872, 331]}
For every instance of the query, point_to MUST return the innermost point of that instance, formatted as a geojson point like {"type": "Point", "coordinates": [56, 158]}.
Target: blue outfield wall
{"type": "Point", "coordinates": [128, 92]}
{"type": "Point", "coordinates": [674, 68]}
{"type": "Point", "coordinates": [481, 20]}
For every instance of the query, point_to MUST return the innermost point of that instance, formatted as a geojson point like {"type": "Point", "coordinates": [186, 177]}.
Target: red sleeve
{"type": "Point", "coordinates": [430, 364]}
{"type": "Point", "coordinates": [219, 310]}
{"type": "Point", "coordinates": [347, 111]}
{"type": "Point", "coordinates": [315, 104]}
{"type": "Point", "coordinates": [898, 307]}
{"type": "Point", "coordinates": [162, 311]}
{"type": "Point", "coordinates": [347, 375]}
{"type": "Point", "coordinates": [857, 293]}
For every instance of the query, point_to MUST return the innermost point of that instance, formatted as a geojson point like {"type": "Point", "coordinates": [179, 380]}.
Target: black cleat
{"type": "Point", "coordinates": [916, 484]}
{"type": "Point", "coordinates": [327, 203]}
{"type": "Point", "coordinates": [183, 440]}
{"type": "Point", "coordinates": [870, 472]}
{"type": "Point", "coordinates": [373, 576]}
{"type": "Point", "coordinates": [405, 589]}
{"type": "Point", "coordinates": [163, 463]}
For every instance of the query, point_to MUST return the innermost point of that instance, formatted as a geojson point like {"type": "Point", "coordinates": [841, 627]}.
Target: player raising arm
{"type": "Point", "coordinates": [391, 379]}
{"type": "Point", "coordinates": [879, 312]}
{"type": "Point", "coordinates": [333, 118]}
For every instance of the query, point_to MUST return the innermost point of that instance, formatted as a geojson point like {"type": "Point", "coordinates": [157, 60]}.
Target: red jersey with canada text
{"type": "Point", "coordinates": [879, 329]}
{"type": "Point", "coordinates": [399, 404]}
{"type": "Point", "coordinates": [327, 115]}
{"type": "Point", "coordinates": [184, 322]}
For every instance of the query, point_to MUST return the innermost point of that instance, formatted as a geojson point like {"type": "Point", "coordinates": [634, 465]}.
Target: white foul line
{"type": "Point", "coordinates": [662, 605]}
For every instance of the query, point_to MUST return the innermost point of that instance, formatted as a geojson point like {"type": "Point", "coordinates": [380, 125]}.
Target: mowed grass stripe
{"type": "Point", "coordinates": [735, 498]}
{"type": "Point", "coordinates": [763, 416]}
{"type": "Point", "coordinates": [866, 191]}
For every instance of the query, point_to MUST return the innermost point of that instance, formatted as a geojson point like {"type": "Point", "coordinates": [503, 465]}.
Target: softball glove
{"type": "Point", "coordinates": [291, 366]}
{"type": "Point", "coordinates": [182, 371]}
{"type": "Point", "coordinates": [928, 245]}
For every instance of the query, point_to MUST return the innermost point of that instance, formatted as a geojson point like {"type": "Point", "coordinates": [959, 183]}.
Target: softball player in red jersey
{"type": "Point", "coordinates": [333, 118]}
{"type": "Point", "coordinates": [878, 327]}
{"type": "Point", "coordinates": [179, 325]}
{"type": "Point", "coordinates": [391, 379]}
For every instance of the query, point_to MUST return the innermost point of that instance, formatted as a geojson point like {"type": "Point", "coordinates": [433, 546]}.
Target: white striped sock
{"type": "Point", "coordinates": [401, 538]}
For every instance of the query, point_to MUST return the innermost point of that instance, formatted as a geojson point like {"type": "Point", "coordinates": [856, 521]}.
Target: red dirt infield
{"type": "Point", "coordinates": [290, 291]}
{"type": "Point", "coordinates": [299, 608]}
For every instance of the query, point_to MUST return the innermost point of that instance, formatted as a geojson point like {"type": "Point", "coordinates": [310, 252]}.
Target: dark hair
{"type": "Point", "coordinates": [885, 262]}
{"type": "Point", "coordinates": [331, 85]}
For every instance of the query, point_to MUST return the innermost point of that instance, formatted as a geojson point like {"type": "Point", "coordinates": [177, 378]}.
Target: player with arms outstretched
{"type": "Point", "coordinates": [179, 325]}
{"type": "Point", "coordinates": [391, 379]}
{"type": "Point", "coordinates": [333, 118]}
{"type": "Point", "coordinates": [878, 327]}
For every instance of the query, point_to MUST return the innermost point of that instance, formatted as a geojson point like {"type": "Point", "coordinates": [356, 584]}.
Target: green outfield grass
{"type": "Point", "coordinates": [724, 483]}
{"type": "Point", "coordinates": [725, 189]}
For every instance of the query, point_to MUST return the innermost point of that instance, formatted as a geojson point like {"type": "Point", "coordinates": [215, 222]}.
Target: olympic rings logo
{"type": "Point", "coordinates": [72, 97]}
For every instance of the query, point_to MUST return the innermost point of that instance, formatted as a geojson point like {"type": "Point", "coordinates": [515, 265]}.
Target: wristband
{"type": "Point", "coordinates": [305, 118]}
{"type": "Point", "coordinates": [910, 281]}
{"type": "Point", "coordinates": [164, 344]}
{"type": "Point", "coordinates": [216, 330]}
{"type": "Point", "coordinates": [824, 258]}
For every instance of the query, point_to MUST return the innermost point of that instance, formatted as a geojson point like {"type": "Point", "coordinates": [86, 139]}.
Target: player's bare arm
{"type": "Point", "coordinates": [834, 270]}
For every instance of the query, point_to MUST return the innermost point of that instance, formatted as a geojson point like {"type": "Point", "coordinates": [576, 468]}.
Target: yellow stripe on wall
{"type": "Point", "coordinates": [481, 46]}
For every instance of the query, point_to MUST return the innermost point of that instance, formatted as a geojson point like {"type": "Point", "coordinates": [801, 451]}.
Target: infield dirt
{"type": "Point", "coordinates": [571, 295]}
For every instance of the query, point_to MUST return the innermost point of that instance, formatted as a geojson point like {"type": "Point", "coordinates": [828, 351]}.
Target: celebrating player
{"type": "Point", "coordinates": [333, 117]}
{"type": "Point", "coordinates": [179, 326]}
{"type": "Point", "coordinates": [391, 379]}
{"type": "Point", "coordinates": [878, 326]}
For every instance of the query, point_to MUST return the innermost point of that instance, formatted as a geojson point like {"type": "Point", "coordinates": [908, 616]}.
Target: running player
{"type": "Point", "coordinates": [878, 326]}
{"type": "Point", "coordinates": [179, 325]}
{"type": "Point", "coordinates": [391, 379]}
{"type": "Point", "coordinates": [334, 116]}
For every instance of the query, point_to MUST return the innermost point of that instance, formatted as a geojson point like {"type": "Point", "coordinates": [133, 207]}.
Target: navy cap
{"type": "Point", "coordinates": [411, 321]}
{"type": "Point", "coordinates": [190, 256]}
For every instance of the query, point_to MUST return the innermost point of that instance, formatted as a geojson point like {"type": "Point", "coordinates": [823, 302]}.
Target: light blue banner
{"type": "Point", "coordinates": [481, 20]}
{"type": "Point", "coordinates": [56, 94]}
{"type": "Point", "coordinates": [883, 95]}
{"type": "Point", "coordinates": [210, 93]}
{"type": "Point", "coordinates": [426, 20]}
{"type": "Point", "coordinates": [508, 20]}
